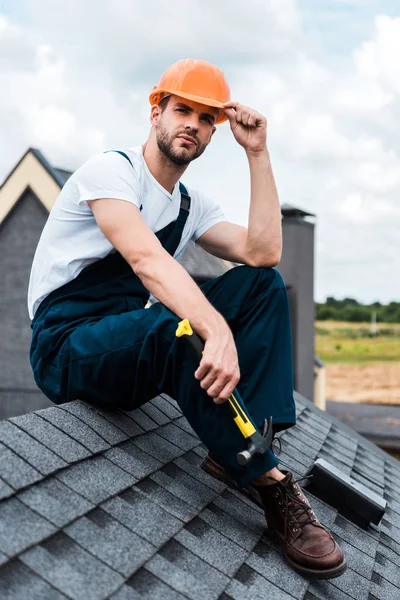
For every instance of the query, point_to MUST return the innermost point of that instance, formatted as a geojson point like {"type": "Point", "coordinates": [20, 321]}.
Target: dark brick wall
{"type": "Point", "coordinates": [19, 235]}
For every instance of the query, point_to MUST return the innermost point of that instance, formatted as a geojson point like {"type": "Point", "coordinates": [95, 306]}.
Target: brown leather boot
{"type": "Point", "coordinates": [308, 546]}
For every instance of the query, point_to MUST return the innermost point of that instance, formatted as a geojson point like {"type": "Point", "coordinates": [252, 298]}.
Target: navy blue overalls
{"type": "Point", "coordinates": [94, 340]}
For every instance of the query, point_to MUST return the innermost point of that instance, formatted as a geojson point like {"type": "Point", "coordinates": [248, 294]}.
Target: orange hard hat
{"type": "Point", "coordinates": [195, 80]}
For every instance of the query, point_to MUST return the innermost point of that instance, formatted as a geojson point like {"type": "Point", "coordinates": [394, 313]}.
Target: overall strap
{"type": "Point", "coordinates": [185, 198]}
{"type": "Point", "coordinates": [122, 154]}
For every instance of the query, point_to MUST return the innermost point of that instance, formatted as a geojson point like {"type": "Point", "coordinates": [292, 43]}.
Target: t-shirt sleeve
{"type": "Point", "coordinates": [210, 214]}
{"type": "Point", "coordinates": [107, 175]}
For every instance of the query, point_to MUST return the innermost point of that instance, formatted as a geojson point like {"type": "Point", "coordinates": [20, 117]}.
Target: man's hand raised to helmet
{"type": "Point", "coordinates": [248, 126]}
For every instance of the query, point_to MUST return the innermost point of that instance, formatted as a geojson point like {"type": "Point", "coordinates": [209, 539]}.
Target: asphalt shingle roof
{"type": "Point", "coordinates": [98, 504]}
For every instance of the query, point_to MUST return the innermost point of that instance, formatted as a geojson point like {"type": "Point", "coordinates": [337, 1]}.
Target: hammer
{"type": "Point", "coordinates": [258, 443]}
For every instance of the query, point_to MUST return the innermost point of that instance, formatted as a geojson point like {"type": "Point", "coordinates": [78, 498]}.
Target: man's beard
{"type": "Point", "coordinates": [165, 145]}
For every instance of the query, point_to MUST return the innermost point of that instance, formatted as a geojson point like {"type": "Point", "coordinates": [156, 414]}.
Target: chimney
{"type": "Point", "coordinates": [297, 269]}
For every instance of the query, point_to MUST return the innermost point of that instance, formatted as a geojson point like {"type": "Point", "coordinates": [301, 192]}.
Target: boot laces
{"type": "Point", "coordinates": [296, 510]}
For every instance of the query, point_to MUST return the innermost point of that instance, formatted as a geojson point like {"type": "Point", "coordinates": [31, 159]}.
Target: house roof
{"type": "Point", "coordinates": [293, 211]}
{"type": "Point", "coordinates": [98, 504]}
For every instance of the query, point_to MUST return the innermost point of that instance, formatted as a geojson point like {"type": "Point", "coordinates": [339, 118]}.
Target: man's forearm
{"type": "Point", "coordinates": [170, 283]}
{"type": "Point", "coordinates": [265, 220]}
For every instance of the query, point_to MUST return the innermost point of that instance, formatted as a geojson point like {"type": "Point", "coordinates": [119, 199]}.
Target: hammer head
{"type": "Point", "coordinates": [258, 443]}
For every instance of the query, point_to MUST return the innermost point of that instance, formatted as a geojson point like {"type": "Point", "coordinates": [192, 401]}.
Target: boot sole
{"type": "Point", "coordinates": [213, 469]}
{"type": "Point", "coordinates": [318, 573]}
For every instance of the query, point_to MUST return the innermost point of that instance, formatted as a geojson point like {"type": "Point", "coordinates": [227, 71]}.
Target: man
{"type": "Point", "coordinates": [113, 237]}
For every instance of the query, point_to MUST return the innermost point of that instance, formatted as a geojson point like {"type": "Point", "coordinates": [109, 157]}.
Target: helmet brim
{"type": "Point", "coordinates": [155, 98]}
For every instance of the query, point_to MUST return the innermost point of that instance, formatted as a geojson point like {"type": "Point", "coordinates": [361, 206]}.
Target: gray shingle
{"type": "Point", "coordinates": [389, 543]}
{"type": "Point", "coordinates": [168, 408]}
{"type": "Point", "coordinates": [332, 459]}
{"type": "Point", "coordinates": [388, 553]}
{"type": "Point", "coordinates": [360, 562]}
{"type": "Point", "coordinates": [113, 435]}
{"type": "Point", "coordinates": [19, 583]}
{"type": "Point", "coordinates": [288, 463]}
{"type": "Point", "coordinates": [382, 588]}
{"type": "Point", "coordinates": [158, 447]}
{"type": "Point", "coordinates": [355, 536]}
{"type": "Point", "coordinates": [190, 463]}
{"type": "Point", "coordinates": [309, 430]}
{"type": "Point", "coordinates": [390, 529]}
{"type": "Point", "coordinates": [369, 467]}
{"type": "Point", "coordinates": [337, 438]}
{"type": "Point", "coordinates": [155, 413]}
{"type": "Point", "coordinates": [96, 479]}
{"type": "Point", "coordinates": [201, 450]}
{"type": "Point", "coordinates": [171, 503]}
{"type": "Point", "coordinates": [133, 459]}
{"type": "Point", "coordinates": [325, 590]}
{"type": "Point", "coordinates": [272, 565]}
{"type": "Point", "coordinates": [30, 449]}
{"type": "Point", "coordinates": [143, 585]}
{"type": "Point", "coordinates": [365, 454]}
{"type": "Point", "coordinates": [353, 584]}
{"type": "Point", "coordinates": [120, 548]}
{"type": "Point", "coordinates": [302, 438]}
{"type": "Point", "coordinates": [15, 471]}
{"type": "Point", "coordinates": [183, 486]}
{"type": "Point", "coordinates": [229, 527]}
{"type": "Point", "coordinates": [391, 516]}
{"type": "Point", "coordinates": [387, 569]}
{"type": "Point", "coordinates": [239, 510]}
{"type": "Point", "coordinates": [57, 441]}
{"type": "Point", "coordinates": [55, 501]}
{"type": "Point", "coordinates": [143, 517]}
{"type": "Point", "coordinates": [253, 586]}
{"type": "Point", "coordinates": [367, 482]}
{"type": "Point", "coordinates": [74, 427]}
{"type": "Point", "coordinates": [325, 514]}
{"type": "Point", "coordinates": [5, 490]}
{"type": "Point", "coordinates": [211, 546]}
{"type": "Point", "coordinates": [177, 436]}
{"type": "Point", "coordinates": [342, 452]}
{"type": "Point", "coordinates": [122, 420]}
{"type": "Point", "coordinates": [3, 559]}
{"type": "Point", "coordinates": [187, 573]}
{"type": "Point", "coordinates": [291, 442]}
{"type": "Point", "coordinates": [67, 566]}
{"type": "Point", "coordinates": [20, 527]}
{"type": "Point", "coordinates": [143, 420]}
{"type": "Point", "coordinates": [182, 422]}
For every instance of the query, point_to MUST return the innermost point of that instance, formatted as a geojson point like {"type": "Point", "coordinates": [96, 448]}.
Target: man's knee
{"type": "Point", "coordinates": [269, 276]}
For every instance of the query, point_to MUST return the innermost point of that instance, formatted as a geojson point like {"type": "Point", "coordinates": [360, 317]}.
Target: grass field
{"type": "Point", "coordinates": [360, 367]}
{"type": "Point", "coordinates": [338, 341]}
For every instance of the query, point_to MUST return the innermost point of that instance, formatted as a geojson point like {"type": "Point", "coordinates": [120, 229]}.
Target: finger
{"type": "Point", "coordinates": [202, 370]}
{"type": "Point", "coordinates": [217, 387]}
{"type": "Point", "coordinates": [230, 104]}
{"type": "Point", "coordinates": [230, 113]}
{"type": "Point", "coordinates": [246, 118]}
{"type": "Point", "coordinates": [219, 400]}
{"type": "Point", "coordinates": [208, 380]}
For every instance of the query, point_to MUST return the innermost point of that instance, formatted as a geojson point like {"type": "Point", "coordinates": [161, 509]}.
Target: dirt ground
{"type": "Point", "coordinates": [377, 382]}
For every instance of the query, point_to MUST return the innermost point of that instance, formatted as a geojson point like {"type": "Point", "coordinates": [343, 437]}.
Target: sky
{"type": "Point", "coordinates": [75, 79]}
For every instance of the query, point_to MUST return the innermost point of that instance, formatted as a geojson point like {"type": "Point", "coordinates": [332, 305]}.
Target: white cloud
{"type": "Point", "coordinates": [78, 75]}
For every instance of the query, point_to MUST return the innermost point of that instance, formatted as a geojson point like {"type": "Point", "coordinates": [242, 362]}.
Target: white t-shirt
{"type": "Point", "coordinates": [71, 238]}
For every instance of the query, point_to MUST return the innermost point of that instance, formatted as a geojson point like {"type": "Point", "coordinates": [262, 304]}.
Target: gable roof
{"type": "Point", "coordinates": [98, 504]}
